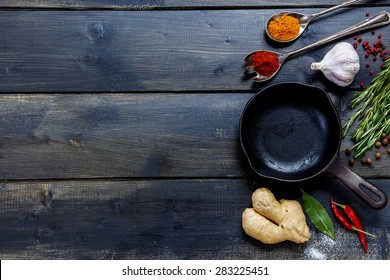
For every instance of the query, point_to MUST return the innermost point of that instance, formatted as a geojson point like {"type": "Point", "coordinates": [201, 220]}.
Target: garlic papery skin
{"type": "Point", "coordinates": [340, 64]}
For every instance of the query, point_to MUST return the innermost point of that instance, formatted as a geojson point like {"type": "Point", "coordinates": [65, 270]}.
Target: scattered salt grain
{"type": "Point", "coordinates": [319, 247]}
{"type": "Point", "coordinates": [314, 254]}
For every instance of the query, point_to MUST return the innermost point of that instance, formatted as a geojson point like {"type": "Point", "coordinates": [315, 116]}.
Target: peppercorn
{"type": "Point", "coordinates": [377, 49]}
{"type": "Point", "coordinates": [385, 142]}
{"type": "Point", "coordinates": [372, 72]}
{"type": "Point", "coordinates": [388, 151]}
{"type": "Point", "coordinates": [369, 161]}
{"type": "Point", "coordinates": [363, 160]}
{"type": "Point", "coordinates": [378, 144]}
{"type": "Point", "coordinates": [348, 151]}
{"type": "Point", "coordinates": [351, 162]}
{"type": "Point", "coordinates": [383, 135]}
{"type": "Point", "coordinates": [378, 155]}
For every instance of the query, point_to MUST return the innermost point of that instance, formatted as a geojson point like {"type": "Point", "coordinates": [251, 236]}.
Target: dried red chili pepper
{"type": "Point", "coordinates": [356, 223]}
{"type": "Point", "coordinates": [339, 216]}
{"type": "Point", "coordinates": [351, 214]}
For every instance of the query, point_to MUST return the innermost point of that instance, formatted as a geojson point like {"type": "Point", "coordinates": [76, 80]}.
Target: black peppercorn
{"type": "Point", "coordinates": [348, 151]}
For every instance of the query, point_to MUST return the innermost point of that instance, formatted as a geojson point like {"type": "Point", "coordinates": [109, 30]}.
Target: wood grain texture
{"type": "Point", "coordinates": [111, 51]}
{"type": "Point", "coordinates": [169, 219]}
{"type": "Point", "coordinates": [53, 136]}
{"type": "Point", "coordinates": [120, 135]}
{"type": "Point", "coordinates": [153, 4]}
{"type": "Point", "coordinates": [119, 130]}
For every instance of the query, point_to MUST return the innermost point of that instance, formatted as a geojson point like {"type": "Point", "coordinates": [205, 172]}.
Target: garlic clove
{"type": "Point", "coordinates": [340, 64]}
{"type": "Point", "coordinates": [316, 66]}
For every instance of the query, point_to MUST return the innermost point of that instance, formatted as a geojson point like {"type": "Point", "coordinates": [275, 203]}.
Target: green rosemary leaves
{"type": "Point", "coordinates": [373, 114]}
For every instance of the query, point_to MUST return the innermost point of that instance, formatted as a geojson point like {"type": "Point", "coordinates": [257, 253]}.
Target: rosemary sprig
{"type": "Point", "coordinates": [373, 114]}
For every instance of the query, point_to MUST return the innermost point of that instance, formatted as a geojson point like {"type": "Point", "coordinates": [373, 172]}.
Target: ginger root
{"type": "Point", "coordinates": [271, 221]}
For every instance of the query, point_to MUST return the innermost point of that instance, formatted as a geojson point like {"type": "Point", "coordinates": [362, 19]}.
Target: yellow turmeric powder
{"type": "Point", "coordinates": [284, 28]}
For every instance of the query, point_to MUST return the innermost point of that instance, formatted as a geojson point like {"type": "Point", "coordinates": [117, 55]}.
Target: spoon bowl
{"type": "Point", "coordinates": [303, 19]}
{"type": "Point", "coordinates": [251, 68]}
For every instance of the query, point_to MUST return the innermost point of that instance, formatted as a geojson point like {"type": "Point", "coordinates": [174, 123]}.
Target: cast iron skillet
{"type": "Point", "coordinates": [291, 132]}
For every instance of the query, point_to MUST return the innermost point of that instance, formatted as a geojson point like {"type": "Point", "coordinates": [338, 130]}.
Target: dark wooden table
{"type": "Point", "coordinates": [119, 130]}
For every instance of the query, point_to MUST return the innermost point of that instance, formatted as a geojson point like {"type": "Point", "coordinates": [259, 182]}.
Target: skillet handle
{"type": "Point", "coordinates": [370, 194]}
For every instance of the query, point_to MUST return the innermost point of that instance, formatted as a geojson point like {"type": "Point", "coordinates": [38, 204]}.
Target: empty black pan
{"type": "Point", "coordinates": [291, 132]}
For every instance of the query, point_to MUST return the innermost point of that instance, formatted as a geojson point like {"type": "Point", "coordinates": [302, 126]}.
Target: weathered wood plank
{"type": "Point", "coordinates": [128, 135]}
{"type": "Point", "coordinates": [84, 51]}
{"type": "Point", "coordinates": [178, 219]}
{"type": "Point", "coordinates": [120, 135]}
{"type": "Point", "coordinates": [152, 4]}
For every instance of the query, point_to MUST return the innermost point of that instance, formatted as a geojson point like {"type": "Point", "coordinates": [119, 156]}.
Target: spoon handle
{"type": "Point", "coordinates": [379, 19]}
{"type": "Point", "coordinates": [331, 9]}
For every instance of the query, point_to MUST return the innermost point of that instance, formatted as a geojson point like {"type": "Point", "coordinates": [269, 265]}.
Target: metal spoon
{"type": "Point", "coordinates": [379, 19]}
{"type": "Point", "coordinates": [304, 20]}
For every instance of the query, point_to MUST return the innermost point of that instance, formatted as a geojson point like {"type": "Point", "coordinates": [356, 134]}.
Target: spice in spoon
{"type": "Point", "coordinates": [284, 28]}
{"type": "Point", "coordinates": [264, 63]}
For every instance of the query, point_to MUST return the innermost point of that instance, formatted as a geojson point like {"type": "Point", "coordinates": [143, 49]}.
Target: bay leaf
{"type": "Point", "coordinates": [318, 215]}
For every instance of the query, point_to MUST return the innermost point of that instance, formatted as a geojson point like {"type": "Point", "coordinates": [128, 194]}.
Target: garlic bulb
{"type": "Point", "coordinates": [340, 64]}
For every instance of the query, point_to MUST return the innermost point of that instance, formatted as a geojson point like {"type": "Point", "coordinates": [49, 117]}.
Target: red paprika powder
{"type": "Point", "coordinates": [265, 63]}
